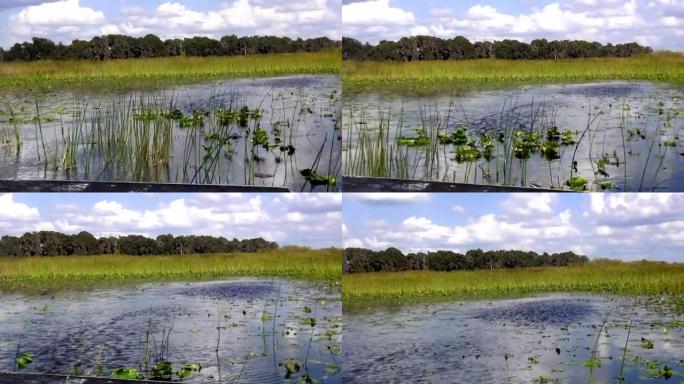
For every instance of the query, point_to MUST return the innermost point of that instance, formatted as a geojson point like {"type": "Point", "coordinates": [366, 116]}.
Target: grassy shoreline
{"type": "Point", "coordinates": [600, 277]}
{"type": "Point", "coordinates": [180, 68]}
{"type": "Point", "coordinates": [37, 274]}
{"type": "Point", "coordinates": [660, 67]}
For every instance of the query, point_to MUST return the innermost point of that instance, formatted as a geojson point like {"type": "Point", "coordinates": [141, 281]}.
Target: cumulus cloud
{"type": "Point", "coordinates": [65, 20]}
{"type": "Point", "coordinates": [615, 21]}
{"type": "Point", "coordinates": [389, 198]}
{"type": "Point", "coordinates": [625, 226]}
{"type": "Point", "coordinates": [274, 217]}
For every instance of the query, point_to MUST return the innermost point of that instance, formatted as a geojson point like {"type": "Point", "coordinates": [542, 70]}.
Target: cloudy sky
{"type": "Point", "coordinates": [619, 226]}
{"type": "Point", "coordinates": [65, 20]}
{"type": "Point", "coordinates": [657, 23]}
{"type": "Point", "coordinates": [312, 219]}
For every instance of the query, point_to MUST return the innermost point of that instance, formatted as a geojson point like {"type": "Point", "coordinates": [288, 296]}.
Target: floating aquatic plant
{"type": "Point", "coordinates": [291, 367]}
{"type": "Point", "coordinates": [188, 370]}
{"type": "Point", "coordinates": [646, 343]}
{"type": "Point", "coordinates": [315, 179]}
{"type": "Point", "coordinates": [127, 374]}
{"type": "Point", "coordinates": [577, 183]}
{"type": "Point", "coordinates": [24, 360]}
{"type": "Point", "coordinates": [162, 370]}
{"type": "Point", "coordinates": [467, 153]}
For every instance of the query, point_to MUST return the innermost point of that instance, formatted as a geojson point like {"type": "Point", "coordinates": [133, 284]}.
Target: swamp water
{"type": "Point", "coordinates": [264, 132]}
{"type": "Point", "coordinates": [246, 331]}
{"type": "Point", "coordinates": [548, 339]}
{"type": "Point", "coordinates": [594, 136]}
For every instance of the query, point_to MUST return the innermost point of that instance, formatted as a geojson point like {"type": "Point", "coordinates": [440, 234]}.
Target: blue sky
{"type": "Point", "coordinates": [657, 23]}
{"type": "Point", "coordinates": [302, 219]}
{"type": "Point", "coordinates": [65, 20]}
{"type": "Point", "coordinates": [619, 226]}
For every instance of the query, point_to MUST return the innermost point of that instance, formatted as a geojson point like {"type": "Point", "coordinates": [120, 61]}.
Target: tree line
{"type": "Point", "coordinates": [358, 260]}
{"type": "Point", "coordinates": [50, 243]}
{"type": "Point", "coordinates": [460, 48]}
{"type": "Point", "coordinates": [111, 47]}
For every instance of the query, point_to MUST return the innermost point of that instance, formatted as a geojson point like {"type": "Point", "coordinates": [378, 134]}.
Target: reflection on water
{"type": "Point", "coordinates": [646, 117]}
{"type": "Point", "coordinates": [256, 326]}
{"type": "Point", "coordinates": [514, 341]}
{"type": "Point", "coordinates": [107, 131]}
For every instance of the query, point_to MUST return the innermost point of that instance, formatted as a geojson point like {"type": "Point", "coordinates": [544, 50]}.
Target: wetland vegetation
{"type": "Point", "coordinates": [196, 309]}
{"type": "Point", "coordinates": [562, 114]}
{"type": "Point", "coordinates": [494, 318]}
{"type": "Point", "coordinates": [597, 136]}
{"type": "Point", "coordinates": [269, 132]}
{"type": "Point", "coordinates": [116, 58]}
{"type": "Point", "coordinates": [44, 274]}
{"type": "Point", "coordinates": [597, 276]}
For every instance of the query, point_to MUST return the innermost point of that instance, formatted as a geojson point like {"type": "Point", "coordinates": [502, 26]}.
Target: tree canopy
{"type": "Point", "coordinates": [50, 243]}
{"type": "Point", "coordinates": [357, 260]}
{"type": "Point", "coordinates": [111, 47]}
{"type": "Point", "coordinates": [459, 48]}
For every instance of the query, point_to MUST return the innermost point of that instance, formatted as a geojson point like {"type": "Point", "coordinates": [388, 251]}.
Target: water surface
{"type": "Point", "coordinates": [633, 126]}
{"type": "Point", "coordinates": [297, 111]}
{"type": "Point", "coordinates": [514, 341]}
{"type": "Point", "coordinates": [238, 330]}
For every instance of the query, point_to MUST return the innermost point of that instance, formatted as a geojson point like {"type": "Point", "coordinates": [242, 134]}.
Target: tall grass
{"type": "Point", "coordinates": [665, 67]}
{"type": "Point", "coordinates": [167, 68]}
{"type": "Point", "coordinates": [35, 274]}
{"type": "Point", "coordinates": [604, 276]}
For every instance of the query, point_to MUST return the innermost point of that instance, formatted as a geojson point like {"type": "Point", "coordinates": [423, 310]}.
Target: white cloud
{"type": "Point", "coordinates": [374, 12]}
{"type": "Point", "coordinates": [66, 20]}
{"type": "Point", "coordinates": [615, 21]}
{"type": "Point", "coordinates": [11, 210]}
{"type": "Point", "coordinates": [307, 219]}
{"type": "Point", "coordinates": [528, 204]}
{"type": "Point", "coordinates": [624, 226]}
{"type": "Point", "coordinates": [389, 198]}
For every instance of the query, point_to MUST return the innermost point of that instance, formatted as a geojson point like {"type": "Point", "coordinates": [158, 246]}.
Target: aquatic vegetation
{"type": "Point", "coordinates": [24, 360]}
{"type": "Point", "coordinates": [646, 343]}
{"type": "Point", "coordinates": [315, 179]}
{"type": "Point", "coordinates": [657, 369]}
{"type": "Point", "coordinates": [291, 367]}
{"type": "Point", "coordinates": [542, 138]}
{"type": "Point", "coordinates": [467, 153]}
{"type": "Point", "coordinates": [577, 183]}
{"type": "Point", "coordinates": [149, 138]}
{"type": "Point", "coordinates": [165, 69]}
{"type": "Point", "coordinates": [60, 272]}
{"type": "Point", "coordinates": [445, 74]}
{"type": "Point", "coordinates": [641, 278]}
{"type": "Point", "coordinates": [127, 374]}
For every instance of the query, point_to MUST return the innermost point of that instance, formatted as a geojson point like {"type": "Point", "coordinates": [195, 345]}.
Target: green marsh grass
{"type": "Point", "coordinates": [601, 277]}
{"type": "Point", "coordinates": [36, 274]}
{"type": "Point", "coordinates": [661, 67]}
{"type": "Point", "coordinates": [133, 71]}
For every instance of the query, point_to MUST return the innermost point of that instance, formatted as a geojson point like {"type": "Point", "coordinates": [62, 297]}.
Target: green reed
{"type": "Point", "coordinates": [601, 277]}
